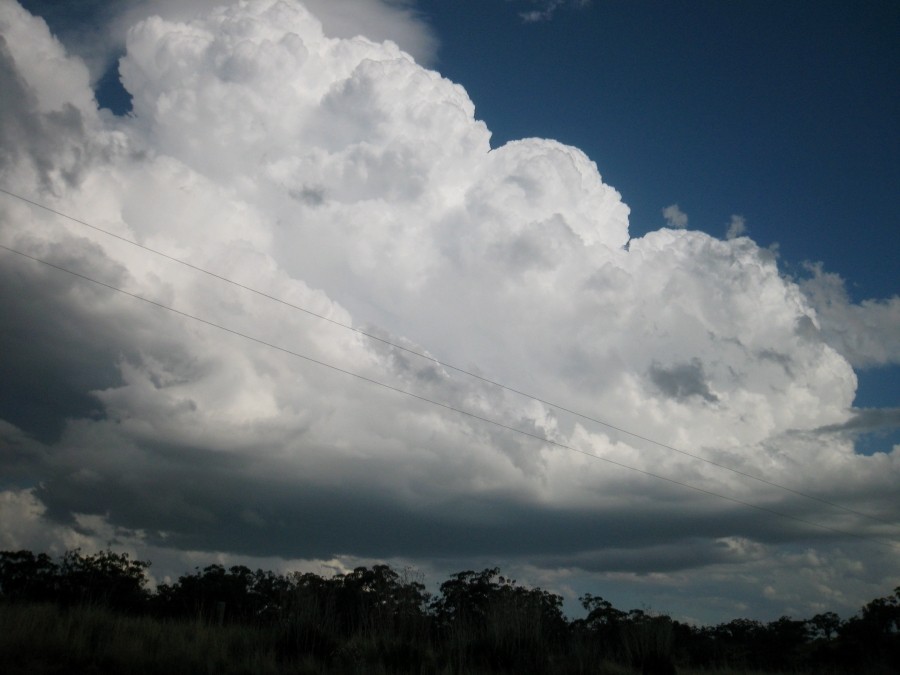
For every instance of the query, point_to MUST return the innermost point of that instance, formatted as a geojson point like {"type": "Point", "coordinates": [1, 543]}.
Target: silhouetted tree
{"type": "Point", "coordinates": [378, 620]}
{"type": "Point", "coordinates": [872, 637]}
{"type": "Point", "coordinates": [648, 642]}
{"type": "Point", "coordinates": [780, 644]}
{"type": "Point", "coordinates": [105, 578]}
{"type": "Point", "coordinates": [216, 593]}
{"type": "Point", "coordinates": [600, 630]}
{"type": "Point", "coordinates": [823, 626]}
{"type": "Point", "coordinates": [883, 614]}
{"type": "Point", "coordinates": [28, 577]}
{"type": "Point", "coordinates": [488, 621]}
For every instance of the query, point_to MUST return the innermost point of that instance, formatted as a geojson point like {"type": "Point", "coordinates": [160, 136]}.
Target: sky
{"type": "Point", "coordinates": [601, 293]}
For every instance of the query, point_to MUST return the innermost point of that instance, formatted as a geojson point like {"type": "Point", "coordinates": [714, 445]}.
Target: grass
{"type": "Point", "coordinates": [43, 639]}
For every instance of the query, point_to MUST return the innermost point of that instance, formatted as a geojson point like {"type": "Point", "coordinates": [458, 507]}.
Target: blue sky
{"type": "Point", "coordinates": [272, 146]}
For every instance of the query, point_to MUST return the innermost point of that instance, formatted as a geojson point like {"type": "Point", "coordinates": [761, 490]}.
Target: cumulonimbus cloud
{"type": "Point", "coordinates": [339, 175]}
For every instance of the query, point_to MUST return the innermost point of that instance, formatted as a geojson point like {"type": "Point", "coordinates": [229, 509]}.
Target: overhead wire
{"type": "Point", "coordinates": [447, 365]}
{"type": "Point", "coordinates": [460, 411]}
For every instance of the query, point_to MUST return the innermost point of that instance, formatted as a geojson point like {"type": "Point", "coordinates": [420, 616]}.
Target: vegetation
{"type": "Point", "coordinates": [94, 614]}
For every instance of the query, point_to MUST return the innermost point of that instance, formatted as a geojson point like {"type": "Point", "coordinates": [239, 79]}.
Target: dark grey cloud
{"type": "Point", "coordinates": [682, 381]}
{"type": "Point", "coordinates": [783, 360]}
{"type": "Point", "coordinates": [63, 353]}
{"type": "Point", "coordinates": [866, 420]}
{"type": "Point", "coordinates": [51, 141]}
{"type": "Point", "coordinates": [311, 196]}
{"type": "Point", "coordinates": [195, 498]}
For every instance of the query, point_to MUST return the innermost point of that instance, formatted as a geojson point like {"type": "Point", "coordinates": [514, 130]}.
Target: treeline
{"type": "Point", "coordinates": [380, 620]}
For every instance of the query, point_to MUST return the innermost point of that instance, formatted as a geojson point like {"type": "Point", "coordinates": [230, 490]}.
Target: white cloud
{"type": "Point", "coordinates": [55, 79]}
{"type": "Point", "coordinates": [378, 20]}
{"type": "Point", "coordinates": [23, 526]}
{"type": "Point", "coordinates": [341, 176]}
{"type": "Point", "coordinates": [99, 36]}
{"type": "Point", "coordinates": [674, 216]}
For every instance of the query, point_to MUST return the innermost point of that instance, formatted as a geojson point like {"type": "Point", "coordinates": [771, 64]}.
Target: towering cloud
{"type": "Point", "coordinates": [340, 176]}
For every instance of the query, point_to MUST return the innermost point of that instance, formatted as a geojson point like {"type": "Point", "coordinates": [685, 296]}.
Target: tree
{"type": "Point", "coordinates": [602, 626]}
{"type": "Point", "coordinates": [373, 599]}
{"type": "Point", "coordinates": [883, 614]}
{"type": "Point", "coordinates": [216, 593]}
{"type": "Point", "coordinates": [105, 578]}
{"type": "Point", "coordinates": [601, 613]}
{"type": "Point", "coordinates": [824, 625]}
{"type": "Point", "coordinates": [26, 577]}
{"type": "Point", "coordinates": [464, 597]}
{"type": "Point", "coordinates": [874, 635]}
{"type": "Point", "coordinates": [781, 643]}
{"type": "Point", "coordinates": [490, 622]}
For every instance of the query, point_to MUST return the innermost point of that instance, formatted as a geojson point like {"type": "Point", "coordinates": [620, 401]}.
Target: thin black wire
{"type": "Point", "coordinates": [449, 366]}
{"type": "Point", "coordinates": [543, 439]}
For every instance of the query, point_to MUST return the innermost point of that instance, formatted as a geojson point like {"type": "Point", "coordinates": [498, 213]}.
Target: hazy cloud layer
{"type": "Point", "coordinates": [544, 10]}
{"type": "Point", "coordinates": [736, 227]}
{"type": "Point", "coordinates": [339, 175]}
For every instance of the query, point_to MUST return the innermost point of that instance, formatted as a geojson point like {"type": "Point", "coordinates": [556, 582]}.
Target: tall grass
{"type": "Point", "coordinates": [46, 639]}
{"type": "Point", "coordinates": [647, 644]}
{"type": "Point", "coordinates": [43, 639]}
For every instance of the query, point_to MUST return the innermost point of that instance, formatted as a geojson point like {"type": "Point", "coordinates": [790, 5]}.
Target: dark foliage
{"type": "Point", "coordinates": [25, 576]}
{"type": "Point", "coordinates": [378, 620]}
{"type": "Point", "coordinates": [108, 579]}
{"type": "Point", "coordinates": [489, 622]}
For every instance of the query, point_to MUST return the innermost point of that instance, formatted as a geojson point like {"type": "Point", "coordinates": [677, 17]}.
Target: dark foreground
{"type": "Point", "coordinates": [93, 614]}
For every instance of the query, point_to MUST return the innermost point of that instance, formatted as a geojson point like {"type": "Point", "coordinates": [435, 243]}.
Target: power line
{"type": "Point", "coordinates": [447, 365]}
{"type": "Point", "coordinates": [445, 406]}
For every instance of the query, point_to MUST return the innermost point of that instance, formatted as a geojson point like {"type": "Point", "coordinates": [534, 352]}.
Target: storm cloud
{"type": "Point", "coordinates": [335, 173]}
